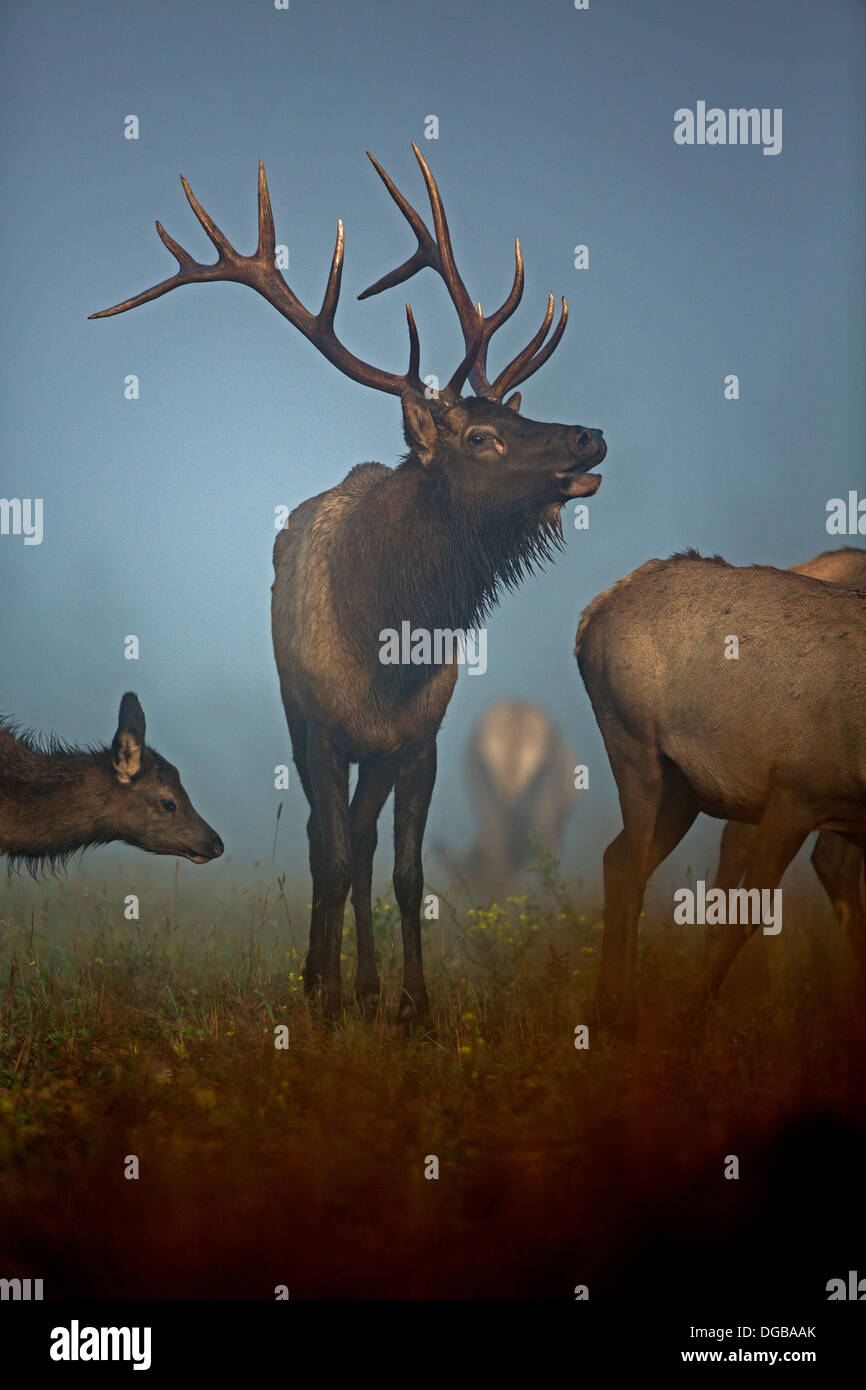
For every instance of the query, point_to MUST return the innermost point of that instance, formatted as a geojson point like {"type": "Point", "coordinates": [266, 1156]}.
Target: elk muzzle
{"type": "Point", "coordinates": [586, 448]}
{"type": "Point", "coordinates": [210, 848]}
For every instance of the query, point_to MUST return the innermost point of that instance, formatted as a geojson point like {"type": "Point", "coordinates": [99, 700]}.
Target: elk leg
{"type": "Point", "coordinates": [315, 960]}
{"type": "Point", "coordinates": [734, 853]}
{"type": "Point", "coordinates": [738, 839]}
{"type": "Point", "coordinates": [778, 837]}
{"type": "Point", "coordinates": [375, 780]}
{"type": "Point", "coordinates": [839, 865]}
{"type": "Point", "coordinates": [658, 808]}
{"type": "Point", "coordinates": [329, 784]}
{"type": "Point", "coordinates": [622, 900]}
{"type": "Point", "coordinates": [413, 790]}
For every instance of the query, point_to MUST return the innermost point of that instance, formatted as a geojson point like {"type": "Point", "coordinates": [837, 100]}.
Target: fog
{"type": "Point", "coordinates": [554, 124]}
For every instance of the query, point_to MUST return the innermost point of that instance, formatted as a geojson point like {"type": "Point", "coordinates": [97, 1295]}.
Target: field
{"type": "Point", "coordinates": [305, 1167]}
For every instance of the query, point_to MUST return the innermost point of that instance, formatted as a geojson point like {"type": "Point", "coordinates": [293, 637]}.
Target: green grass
{"type": "Point", "coordinates": [306, 1166]}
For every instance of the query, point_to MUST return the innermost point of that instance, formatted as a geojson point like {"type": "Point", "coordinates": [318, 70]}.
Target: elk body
{"type": "Point", "coordinates": [520, 772]}
{"type": "Point", "coordinates": [837, 862]}
{"type": "Point", "coordinates": [472, 507]}
{"type": "Point", "coordinates": [769, 739]}
{"type": "Point", "coordinates": [55, 800]}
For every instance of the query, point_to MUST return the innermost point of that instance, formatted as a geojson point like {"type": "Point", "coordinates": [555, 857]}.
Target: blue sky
{"type": "Point", "coordinates": [554, 124]}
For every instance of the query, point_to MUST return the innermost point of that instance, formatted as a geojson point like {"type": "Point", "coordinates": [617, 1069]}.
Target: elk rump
{"type": "Point", "coordinates": [739, 692]}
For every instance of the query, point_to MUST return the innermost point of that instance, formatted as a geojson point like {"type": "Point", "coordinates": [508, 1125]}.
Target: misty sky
{"type": "Point", "coordinates": [554, 124]}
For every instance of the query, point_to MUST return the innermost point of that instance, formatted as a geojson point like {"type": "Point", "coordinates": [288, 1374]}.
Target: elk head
{"type": "Point", "coordinates": [481, 444]}
{"type": "Point", "coordinates": [491, 455]}
{"type": "Point", "coordinates": [145, 802]}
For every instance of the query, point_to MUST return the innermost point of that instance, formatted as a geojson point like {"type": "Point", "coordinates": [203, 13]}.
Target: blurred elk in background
{"type": "Point", "coordinates": [55, 799]}
{"type": "Point", "coordinates": [520, 774]}
{"type": "Point", "coordinates": [776, 738]}
{"type": "Point", "coordinates": [472, 508]}
{"type": "Point", "coordinates": [837, 862]}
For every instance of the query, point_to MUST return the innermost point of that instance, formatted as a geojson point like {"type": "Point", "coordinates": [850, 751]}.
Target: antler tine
{"type": "Point", "coordinates": [267, 235]}
{"type": "Point", "coordinates": [438, 254]}
{"type": "Point", "coordinates": [447, 263]}
{"type": "Point", "coordinates": [474, 345]}
{"type": "Point", "coordinates": [335, 277]}
{"type": "Point", "coordinates": [259, 272]}
{"type": "Point", "coordinates": [225, 250]}
{"type": "Point", "coordinates": [427, 253]}
{"type": "Point", "coordinates": [531, 347]}
{"type": "Point", "coordinates": [182, 257]}
{"type": "Point", "coordinates": [413, 375]}
{"type": "Point", "coordinates": [514, 296]}
{"type": "Point", "coordinates": [499, 316]}
{"type": "Point", "coordinates": [550, 346]}
{"type": "Point", "coordinates": [191, 271]}
{"type": "Point", "coordinates": [185, 262]}
{"type": "Point", "coordinates": [527, 362]}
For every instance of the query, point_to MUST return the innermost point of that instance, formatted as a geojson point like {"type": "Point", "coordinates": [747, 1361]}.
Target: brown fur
{"type": "Point", "coordinates": [520, 772]}
{"type": "Point", "coordinates": [764, 739]}
{"type": "Point", "coordinates": [837, 862]}
{"type": "Point", "coordinates": [56, 800]}
{"type": "Point", "coordinates": [434, 543]}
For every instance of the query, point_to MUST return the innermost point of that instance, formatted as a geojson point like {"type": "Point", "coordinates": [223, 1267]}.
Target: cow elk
{"type": "Point", "coordinates": [776, 738]}
{"type": "Point", "coordinates": [469, 511]}
{"type": "Point", "coordinates": [55, 799]}
{"type": "Point", "coordinates": [520, 772]}
{"type": "Point", "coordinates": [837, 862]}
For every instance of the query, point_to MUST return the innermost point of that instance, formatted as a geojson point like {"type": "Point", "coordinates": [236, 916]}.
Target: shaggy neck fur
{"type": "Point", "coordinates": [53, 799]}
{"type": "Point", "coordinates": [435, 560]}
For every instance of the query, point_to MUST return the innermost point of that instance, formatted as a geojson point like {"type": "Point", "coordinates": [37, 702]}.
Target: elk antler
{"type": "Point", "coordinates": [260, 273]}
{"type": "Point", "coordinates": [439, 256]}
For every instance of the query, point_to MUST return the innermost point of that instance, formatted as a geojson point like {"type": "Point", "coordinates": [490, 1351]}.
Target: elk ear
{"type": "Point", "coordinates": [128, 742]}
{"type": "Point", "coordinates": [513, 402]}
{"type": "Point", "coordinates": [419, 427]}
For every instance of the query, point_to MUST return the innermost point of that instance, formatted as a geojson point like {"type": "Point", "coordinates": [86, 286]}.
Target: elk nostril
{"type": "Point", "coordinates": [217, 848]}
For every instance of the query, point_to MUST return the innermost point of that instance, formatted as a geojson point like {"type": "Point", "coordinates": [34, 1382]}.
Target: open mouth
{"type": "Point", "coordinates": [577, 481]}
{"type": "Point", "coordinates": [198, 858]}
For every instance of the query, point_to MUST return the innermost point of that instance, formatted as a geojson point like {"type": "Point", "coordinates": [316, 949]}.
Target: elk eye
{"type": "Point", "coordinates": [477, 438]}
{"type": "Point", "coordinates": [168, 805]}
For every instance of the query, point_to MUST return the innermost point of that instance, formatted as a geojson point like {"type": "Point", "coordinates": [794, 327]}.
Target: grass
{"type": "Point", "coordinates": [306, 1166]}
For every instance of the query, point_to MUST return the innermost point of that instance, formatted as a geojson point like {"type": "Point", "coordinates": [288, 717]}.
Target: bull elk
{"type": "Point", "coordinates": [768, 739]}
{"type": "Point", "coordinates": [837, 862]}
{"type": "Point", "coordinates": [469, 511]}
{"type": "Point", "coordinates": [520, 771]}
{"type": "Point", "coordinates": [55, 799]}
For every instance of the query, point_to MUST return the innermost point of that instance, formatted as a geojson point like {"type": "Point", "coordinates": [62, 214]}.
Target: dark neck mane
{"type": "Point", "coordinates": [46, 798]}
{"type": "Point", "coordinates": [433, 560]}
{"type": "Point", "coordinates": [443, 563]}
